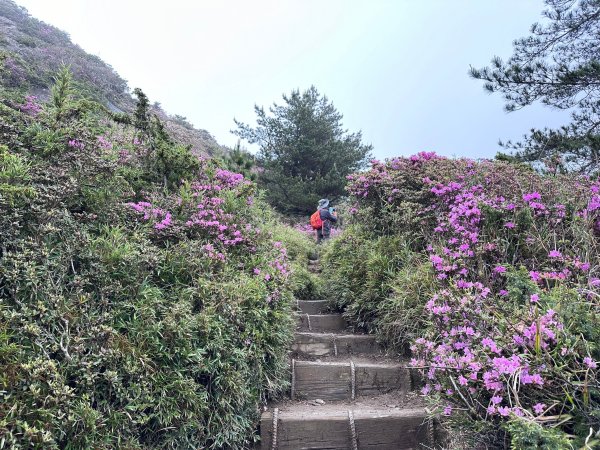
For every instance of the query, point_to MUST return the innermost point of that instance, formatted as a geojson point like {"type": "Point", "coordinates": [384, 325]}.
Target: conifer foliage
{"type": "Point", "coordinates": [558, 64]}
{"type": "Point", "coordinates": [304, 150]}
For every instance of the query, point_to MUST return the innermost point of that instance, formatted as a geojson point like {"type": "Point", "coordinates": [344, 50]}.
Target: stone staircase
{"type": "Point", "coordinates": [345, 394]}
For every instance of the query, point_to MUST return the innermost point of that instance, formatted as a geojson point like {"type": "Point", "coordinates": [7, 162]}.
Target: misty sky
{"type": "Point", "coordinates": [396, 69]}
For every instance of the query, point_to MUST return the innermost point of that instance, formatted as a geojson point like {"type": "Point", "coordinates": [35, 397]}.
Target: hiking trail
{"type": "Point", "coordinates": [345, 392]}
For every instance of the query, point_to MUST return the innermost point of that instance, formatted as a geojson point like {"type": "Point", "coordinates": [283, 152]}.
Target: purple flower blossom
{"type": "Point", "coordinates": [532, 196]}
{"type": "Point", "coordinates": [75, 143]}
{"type": "Point", "coordinates": [590, 362]}
{"type": "Point", "coordinates": [504, 411]}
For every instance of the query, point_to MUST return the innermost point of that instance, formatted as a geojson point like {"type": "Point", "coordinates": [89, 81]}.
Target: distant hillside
{"type": "Point", "coordinates": [35, 52]}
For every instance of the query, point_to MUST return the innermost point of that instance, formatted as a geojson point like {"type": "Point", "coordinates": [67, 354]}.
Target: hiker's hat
{"type": "Point", "coordinates": [323, 203]}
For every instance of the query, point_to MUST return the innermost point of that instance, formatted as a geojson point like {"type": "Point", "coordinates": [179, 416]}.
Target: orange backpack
{"type": "Point", "coordinates": [315, 220]}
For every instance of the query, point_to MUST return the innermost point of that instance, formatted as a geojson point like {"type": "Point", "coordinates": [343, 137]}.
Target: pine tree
{"type": "Point", "coordinates": [305, 154]}
{"type": "Point", "coordinates": [559, 66]}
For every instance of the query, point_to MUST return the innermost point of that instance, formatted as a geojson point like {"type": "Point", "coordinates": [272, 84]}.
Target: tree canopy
{"type": "Point", "coordinates": [305, 153]}
{"type": "Point", "coordinates": [558, 64]}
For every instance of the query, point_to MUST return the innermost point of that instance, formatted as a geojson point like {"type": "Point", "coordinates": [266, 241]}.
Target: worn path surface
{"type": "Point", "coordinates": [345, 393]}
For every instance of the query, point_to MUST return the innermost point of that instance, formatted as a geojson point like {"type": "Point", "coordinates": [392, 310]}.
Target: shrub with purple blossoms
{"type": "Point", "coordinates": [509, 331]}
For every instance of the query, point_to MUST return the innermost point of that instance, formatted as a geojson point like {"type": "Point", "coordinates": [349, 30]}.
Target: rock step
{"type": "Point", "coordinates": [312, 306]}
{"type": "Point", "coordinates": [329, 427]}
{"type": "Point", "coordinates": [321, 322]}
{"type": "Point", "coordinates": [322, 344]}
{"type": "Point", "coordinates": [346, 380]}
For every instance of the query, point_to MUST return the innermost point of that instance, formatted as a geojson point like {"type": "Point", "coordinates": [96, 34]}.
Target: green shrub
{"type": "Point", "coordinates": [529, 434]}
{"type": "Point", "coordinates": [399, 316]}
{"type": "Point", "coordinates": [126, 319]}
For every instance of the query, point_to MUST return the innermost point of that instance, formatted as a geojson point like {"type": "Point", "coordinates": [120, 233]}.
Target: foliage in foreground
{"type": "Point", "coordinates": [489, 272]}
{"type": "Point", "coordinates": [144, 300]}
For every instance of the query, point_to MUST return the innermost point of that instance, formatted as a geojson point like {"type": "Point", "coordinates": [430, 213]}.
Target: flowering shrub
{"type": "Point", "coordinates": [134, 312]}
{"type": "Point", "coordinates": [508, 308]}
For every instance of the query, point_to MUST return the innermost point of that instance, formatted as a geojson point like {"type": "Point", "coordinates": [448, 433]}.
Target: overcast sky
{"type": "Point", "coordinates": [396, 69]}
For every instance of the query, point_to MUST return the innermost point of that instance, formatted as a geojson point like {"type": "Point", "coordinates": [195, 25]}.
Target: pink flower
{"type": "Point", "coordinates": [590, 362]}
{"type": "Point", "coordinates": [532, 196]}
{"type": "Point", "coordinates": [448, 410]}
{"type": "Point", "coordinates": [504, 411]}
{"type": "Point", "coordinates": [555, 254]}
{"type": "Point", "coordinates": [534, 298]}
{"type": "Point", "coordinates": [539, 408]}
{"type": "Point", "coordinates": [536, 378]}
{"type": "Point", "coordinates": [509, 225]}
{"type": "Point", "coordinates": [499, 269]}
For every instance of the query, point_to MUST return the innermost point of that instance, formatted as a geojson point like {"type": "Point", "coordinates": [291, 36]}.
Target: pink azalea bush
{"type": "Point", "coordinates": [509, 328]}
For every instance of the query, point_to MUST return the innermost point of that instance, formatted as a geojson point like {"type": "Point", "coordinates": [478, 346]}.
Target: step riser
{"type": "Point", "coordinates": [325, 323]}
{"type": "Point", "coordinates": [312, 306]}
{"type": "Point", "coordinates": [334, 345]}
{"type": "Point", "coordinates": [333, 433]}
{"type": "Point", "coordinates": [334, 382]}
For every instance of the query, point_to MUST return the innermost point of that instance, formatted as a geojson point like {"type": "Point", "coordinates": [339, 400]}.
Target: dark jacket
{"type": "Point", "coordinates": [327, 219]}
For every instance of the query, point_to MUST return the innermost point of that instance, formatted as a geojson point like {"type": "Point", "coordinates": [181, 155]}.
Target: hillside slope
{"type": "Point", "coordinates": [35, 50]}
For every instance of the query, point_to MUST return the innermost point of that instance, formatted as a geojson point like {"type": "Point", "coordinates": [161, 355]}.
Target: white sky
{"type": "Point", "coordinates": [396, 69]}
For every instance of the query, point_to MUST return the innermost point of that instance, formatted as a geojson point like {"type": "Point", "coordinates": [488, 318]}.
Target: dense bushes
{"type": "Point", "coordinates": [492, 271]}
{"type": "Point", "coordinates": [144, 295]}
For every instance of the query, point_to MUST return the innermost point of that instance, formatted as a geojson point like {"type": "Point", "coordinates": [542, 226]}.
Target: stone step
{"type": "Point", "coordinates": [322, 344]}
{"type": "Point", "coordinates": [299, 427]}
{"type": "Point", "coordinates": [346, 380]}
{"type": "Point", "coordinates": [312, 306]}
{"type": "Point", "coordinates": [321, 323]}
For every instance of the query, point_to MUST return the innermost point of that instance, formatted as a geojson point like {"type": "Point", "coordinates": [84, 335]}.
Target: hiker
{"type": "Point", "coordinates": [322, 219]}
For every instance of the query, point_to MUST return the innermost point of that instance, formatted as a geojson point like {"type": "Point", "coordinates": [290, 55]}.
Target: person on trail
{"type": "Point", "coordinates": [328, 217]}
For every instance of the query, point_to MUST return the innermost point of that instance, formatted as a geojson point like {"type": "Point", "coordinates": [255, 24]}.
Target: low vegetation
{"type": "Point", "coordinates": [488, 272]}
{"type": "Point", "coordinates": [144, 293]}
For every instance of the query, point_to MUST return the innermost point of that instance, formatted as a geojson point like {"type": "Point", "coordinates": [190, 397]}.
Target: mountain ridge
{"type": "Point", "coordinates": [35, 50]}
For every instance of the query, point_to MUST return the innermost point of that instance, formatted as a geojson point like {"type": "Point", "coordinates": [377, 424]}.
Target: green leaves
{"type": "Point", "coordinates": [305, 153]}
{"type": "Point", "coordinates": [14, 178]}
{"type": "Point", "coordinates": [115, 333]}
